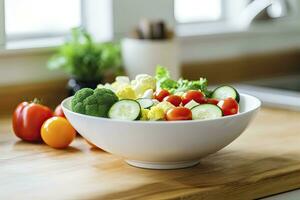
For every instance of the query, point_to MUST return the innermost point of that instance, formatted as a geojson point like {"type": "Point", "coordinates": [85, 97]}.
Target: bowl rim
{"type": "Point", "coordinates": [259, 103]}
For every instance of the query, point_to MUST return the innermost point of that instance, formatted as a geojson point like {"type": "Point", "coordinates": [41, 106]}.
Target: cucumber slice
{"type": "Point", "coordinates": [125, 109]}
{"type": "Point", "coordinates": [224, 92]}
{"type": "Point", "coordinates": [206, 111]}
{"type": "Point", "coordinates": [145, 103]}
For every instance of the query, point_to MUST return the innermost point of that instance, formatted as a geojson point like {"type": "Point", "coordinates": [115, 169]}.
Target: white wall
{"type": "Point", "coordinates": [98, 19]}
{"type": "Point", "coordinates": [26, 68]}
{"type": "Point", "coordinates": [220, 46]}
{"type": "Point", "coordinates": [21, 66]}
{"type": "Point", "coordinates": [2, 34]}
{"type": "Point", "coordinates": [127, 13]}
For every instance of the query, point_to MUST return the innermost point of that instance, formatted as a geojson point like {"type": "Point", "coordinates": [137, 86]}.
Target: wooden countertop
{"type": "Point", "coordinates": [265, 160]}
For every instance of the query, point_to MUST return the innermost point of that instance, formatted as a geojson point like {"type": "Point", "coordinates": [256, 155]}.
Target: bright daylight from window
{"type": "Point", "coordinates": [150, 99]}
{"type": "Point", "coordinates": [195, 10]}
{"type": "Point", "coordinates": [36, 18]}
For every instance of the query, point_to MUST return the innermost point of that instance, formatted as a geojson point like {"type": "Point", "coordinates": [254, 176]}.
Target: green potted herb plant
{"type": "Point", "coordinates": [85, 61]}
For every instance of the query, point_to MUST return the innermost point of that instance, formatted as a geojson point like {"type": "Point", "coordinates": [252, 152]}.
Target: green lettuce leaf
{"type": "Point", "coordinates": [163, 78]}
{"type": "Point", "coordinates": [164, 81]}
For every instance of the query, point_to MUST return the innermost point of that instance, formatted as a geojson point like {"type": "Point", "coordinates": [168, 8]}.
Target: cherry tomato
{"type": "Point", "coordinates": [173, 99]}
{"type": "Point", "coordinates": [179, 113]}
{"type": "Point", "coordinates": [58, 112]}
{"type": "Point", "coordinates": [212, 101]}
{"type": "Point", "coordinates": [229, 106]}
{"type": "Point", "coordinates": [57, 132]}
{"type": "Point", "coordinates": [28, 119]}
{"type": "Point", "coordinates": [161, 94]}
{"type": "Point", "coordinates": [193, 95]}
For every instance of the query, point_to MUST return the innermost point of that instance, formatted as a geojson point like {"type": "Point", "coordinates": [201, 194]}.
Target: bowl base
{"type": "Point", "coordinates": [162, 165]}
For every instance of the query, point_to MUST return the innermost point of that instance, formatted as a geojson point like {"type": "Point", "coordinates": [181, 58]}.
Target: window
{"type": "Point", "coordinates": [198, 11]}
{"type": "Point", "coordinates": [40, 18]}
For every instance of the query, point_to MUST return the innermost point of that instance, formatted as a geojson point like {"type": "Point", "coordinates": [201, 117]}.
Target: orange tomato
{"type": "Point", "coordinates": [57, 132]}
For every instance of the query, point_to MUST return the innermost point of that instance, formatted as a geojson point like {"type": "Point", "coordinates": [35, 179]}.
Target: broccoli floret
{"type": "Point", "coordinates": [93, 102]}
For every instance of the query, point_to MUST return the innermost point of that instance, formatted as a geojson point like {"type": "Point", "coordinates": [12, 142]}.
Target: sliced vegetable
{"type": "Point", "coordinates": [193, 95]}
{"type": "Point", "coordinates": [173, 99]}
{"type": "Point", "coordinates": [125, 109]}
{"type": "Point", "coordinates": [179, 113]}
{"type": "Point", "coordinates": [229, 106]}
{"type": "Point", "coordinates": [145, 103]}
{"type": "Point", "coordinates": [191, 104]}
{"type": "Point", "coordinates": [206, 111]}
{"type": "Point", "coordinates": [156, 98]}
{"type": "Point", "coordinates": [212, 101]}
{"type": "Point", "coordinates": [161, 94]}
{"type": "Point", "coordinates": [224, 92]}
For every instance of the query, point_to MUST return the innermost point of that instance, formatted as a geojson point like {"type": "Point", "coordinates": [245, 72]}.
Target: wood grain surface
{"type": "Point", "coordinates": [265, 160]}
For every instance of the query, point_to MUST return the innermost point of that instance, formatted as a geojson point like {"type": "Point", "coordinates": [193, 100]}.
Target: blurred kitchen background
{"type": "Point", "coordinates": [254, 44]}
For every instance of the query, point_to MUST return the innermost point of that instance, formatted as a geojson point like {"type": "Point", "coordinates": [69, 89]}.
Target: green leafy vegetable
{"type": "Point", "coordinates": [84, 59]}
{"type": "Point", "coordinates": [93, 102]}
{"type": "Point", "coordinates": [164, 81]}
{"type": "Point", "coordinates": [163, 78]}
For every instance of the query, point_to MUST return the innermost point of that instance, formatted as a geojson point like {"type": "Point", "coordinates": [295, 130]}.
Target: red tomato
{"type": "Point", "coordinates": [58, 112]}
{"type": "Point", "coordinates": [212, 101]}
{"type": "Point", "coordinates": [173, 99]}
{"type": "Point", "coordinates": [161, 94]}
{"type": "Point", "coordinates": [229, 106]}
{"type": "Point", "coordinates": [28, 119]}
{"type": "Point", "coordinates": [179, 113]}
{"type": "Point", "coordinates": [193, 95]}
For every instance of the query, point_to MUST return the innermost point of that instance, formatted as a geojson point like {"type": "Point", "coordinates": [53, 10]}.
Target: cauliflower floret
{"type": "Point", "coordinates": [142, 83]}
{"type": "Point", "coordinates": [144, 116]}
{"type": "Point", "coordinates": [165, 106]}
{"type": "Point", "coordinates": [123, 80]}
{"type": "Point", "coordinates": [126, 92]}
{"type": "Point", "coordinates": [106, 86]}
{"type": "Point", "coordinates": [156, 113]}
{"type": "Point", "coordinates": [115, 86]}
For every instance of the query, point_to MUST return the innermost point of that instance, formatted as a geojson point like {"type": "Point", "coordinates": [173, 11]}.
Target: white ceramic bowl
{"type": "Point", "coordinates": [161, 144]}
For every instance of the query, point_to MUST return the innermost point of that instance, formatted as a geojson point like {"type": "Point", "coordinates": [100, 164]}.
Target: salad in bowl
{"type": "Point", "coordinates": [159, 123]}
{"type": "Point", "coordinates": [156, 98]}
